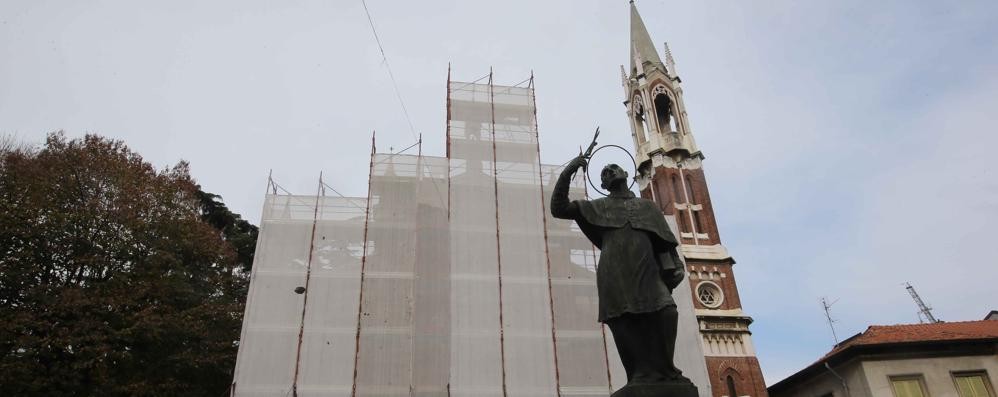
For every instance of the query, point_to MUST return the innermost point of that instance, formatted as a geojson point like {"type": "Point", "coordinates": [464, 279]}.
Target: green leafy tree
{"type": "Point", "coordinates": [115, 278]}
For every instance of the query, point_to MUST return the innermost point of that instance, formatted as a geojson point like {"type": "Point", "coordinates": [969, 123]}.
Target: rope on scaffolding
{"type": "Point", "coordinates": [393, 154]}
{"type": "Point", "coordinates": [524, 81]}
{"type": "Point", "coordinates": [291, 195]}
{"type": "Point", "coordinates": [473, 82]}
{"type": "Point", "coordinates": [348, 199]}
{"type": "Point", "coordinates": [384, 59]}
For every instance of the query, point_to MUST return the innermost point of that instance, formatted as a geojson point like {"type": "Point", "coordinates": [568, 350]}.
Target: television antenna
{"type": "Point", "coordinates": [828, 315]}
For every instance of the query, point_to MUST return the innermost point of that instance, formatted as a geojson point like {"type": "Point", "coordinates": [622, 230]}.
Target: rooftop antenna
{"type": "Point", "coordinates": [828, 315]}
{"type": "Point", "coordinates": [923, 309]}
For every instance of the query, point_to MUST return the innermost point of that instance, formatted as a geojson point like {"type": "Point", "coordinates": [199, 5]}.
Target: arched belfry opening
{"type": "Point", "coordinates": [664, 113]}
{"type": "Point", "coordinates": [640, 118]}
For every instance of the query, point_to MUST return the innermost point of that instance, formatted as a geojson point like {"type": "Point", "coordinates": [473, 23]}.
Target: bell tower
{"type": "Point", "coordinates": [671, 173]}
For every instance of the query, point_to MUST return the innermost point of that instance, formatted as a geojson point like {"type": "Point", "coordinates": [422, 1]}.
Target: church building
{"type": "Point", "coordinates": [451, 277]}
{"type": "Point", "coordinates": [672, 175]}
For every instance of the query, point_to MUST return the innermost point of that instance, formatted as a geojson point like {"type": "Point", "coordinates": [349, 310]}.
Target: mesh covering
{"type": "Point", "coordinates": [477, 348]}
{"type": "Point", "coordinates": [404, 279]}
{"type": "Point", "coordinates": [328, 340]}
{"type": "Point", "coordinates": [582, 352]}
{"type": "Point", "coordinates": [526, 305]}
{"type": "Point", "coordinates": [268, 350]}
{"type": "Point", "coordinates": [465, 286]}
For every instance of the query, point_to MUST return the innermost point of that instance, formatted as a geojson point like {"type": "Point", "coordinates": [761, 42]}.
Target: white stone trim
{"type": "Point", "coordinates": [725, 344]}
{"type": "Point", "coordinates": [692, 163]}
{"type": "Point", "coordinates": [658, 160]}
{"type": "Point", "coordinates": [707, 252]}
{"type": "Point", "coordinates": [720, 312]}
{"type": "Point", "coordinates": [685, 206]}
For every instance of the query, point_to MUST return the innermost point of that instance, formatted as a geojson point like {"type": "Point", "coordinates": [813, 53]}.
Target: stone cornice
{"type": "Point", "coordinates": [715, 252]}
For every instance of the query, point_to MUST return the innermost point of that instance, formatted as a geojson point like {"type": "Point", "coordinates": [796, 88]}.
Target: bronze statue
{"type": "Point", "coordinates": [638, 269]}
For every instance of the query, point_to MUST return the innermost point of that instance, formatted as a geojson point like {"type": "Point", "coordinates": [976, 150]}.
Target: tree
{"type": "Point", "coordinates": [238, 232]}
{"type": "Point", "coordinates": [115, 278]}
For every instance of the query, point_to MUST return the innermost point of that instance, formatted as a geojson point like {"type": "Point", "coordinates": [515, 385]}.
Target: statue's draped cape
{"type": "Point", "coordinates": [614, 212]}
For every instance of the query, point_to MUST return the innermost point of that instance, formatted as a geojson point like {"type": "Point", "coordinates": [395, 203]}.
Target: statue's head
{"type": "Point", "coordinates": [613, 177]}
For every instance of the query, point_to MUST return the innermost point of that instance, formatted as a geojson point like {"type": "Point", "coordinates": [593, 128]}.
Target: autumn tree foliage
{"type": "Point", "coordinates": [115, 278]}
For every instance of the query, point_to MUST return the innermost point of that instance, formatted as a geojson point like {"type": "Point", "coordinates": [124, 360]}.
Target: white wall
{"type": "Point", "coordinates": [825, 382]}
{"type": "Point", "coordinates": [936, 372]}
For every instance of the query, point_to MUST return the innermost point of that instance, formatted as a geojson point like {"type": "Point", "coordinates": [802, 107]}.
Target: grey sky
{"type": "Point", "coordinates": [849, 144]}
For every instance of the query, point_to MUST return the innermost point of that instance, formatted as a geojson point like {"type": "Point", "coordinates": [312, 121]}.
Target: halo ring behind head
{"type": "Point", "coordinates": [633, 163]}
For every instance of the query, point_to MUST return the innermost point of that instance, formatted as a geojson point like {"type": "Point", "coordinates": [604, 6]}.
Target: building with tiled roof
{"type": "Point", "coordinates": [936, 359]}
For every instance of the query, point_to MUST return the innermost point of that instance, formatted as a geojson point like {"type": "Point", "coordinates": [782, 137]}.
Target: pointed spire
{"type": "Point", "coordinates": [642, 48]}
{"type": "Point", "coordinates": [670, 63]}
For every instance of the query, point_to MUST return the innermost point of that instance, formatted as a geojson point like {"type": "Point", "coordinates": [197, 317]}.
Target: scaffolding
{"type": "Point", "coordinates": [449, 279]}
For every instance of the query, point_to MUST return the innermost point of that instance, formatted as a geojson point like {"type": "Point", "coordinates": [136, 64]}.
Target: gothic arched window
{"type": "Point", "coordinates": [663, 193]}
{"type": "Point", "coordinates": [677, 190]}
{"type": "Point", "coordinates": [696, 222]}
{"type": "Point", "coordinates": [731, 386]}
{"type": "Point", "coordinates": [689, 190]}
{"type": "Point", "coordinates": [683, 221]}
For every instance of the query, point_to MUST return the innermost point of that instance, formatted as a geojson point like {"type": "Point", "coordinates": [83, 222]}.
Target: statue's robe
{"type": "Point", "coordinates": [637, 249]}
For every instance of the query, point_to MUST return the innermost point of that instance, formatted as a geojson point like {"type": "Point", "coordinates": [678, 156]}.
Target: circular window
{"type": "Point", "coordinates": [709, 294]}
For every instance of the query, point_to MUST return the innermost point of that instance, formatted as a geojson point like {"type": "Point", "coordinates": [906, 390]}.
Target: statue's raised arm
{"type": "Point", "coordinates": [561, 206]}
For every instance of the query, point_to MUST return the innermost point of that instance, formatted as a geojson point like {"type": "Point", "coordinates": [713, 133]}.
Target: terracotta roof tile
{"type": "Point", "coordinates": [982, 330]}
{"type": "Point", "coordinates": [915, 333]}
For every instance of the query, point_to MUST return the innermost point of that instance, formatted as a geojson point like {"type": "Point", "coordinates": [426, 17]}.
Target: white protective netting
{"type": "Point", "coordinates": [476, 351]}
{"type": "Point", "coordinates": [328, 341]}
{"type": "Point", "coordinates": [403, 338]}
{"type": "Point", "coordinates": [268, 351]}
{"type": "Point", "coordinates": [273, 310]}
{"type": "Point", "coordinates": [465, 286]}
{"type": "Point", "coordinates": [583, 354]}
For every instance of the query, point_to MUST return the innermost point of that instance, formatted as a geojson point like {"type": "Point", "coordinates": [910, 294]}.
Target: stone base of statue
{"type": "Point", "coordinates": [680, 388]}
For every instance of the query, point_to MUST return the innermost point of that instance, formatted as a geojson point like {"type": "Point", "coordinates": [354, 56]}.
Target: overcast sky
{"type": "Point", "coordinates": [849, 144]}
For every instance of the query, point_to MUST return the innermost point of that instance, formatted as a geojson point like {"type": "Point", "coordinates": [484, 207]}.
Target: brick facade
{"type": "Point", "coordinates": [745, 374]}
{"type": "Point", "coordinates": [682, 192]}
{"type": "Point", "coordinates": [719, 273]}
{"type": "Point", "coordinates": [680, 189]}
{"type": "Point", "coordinates": [669, 191]}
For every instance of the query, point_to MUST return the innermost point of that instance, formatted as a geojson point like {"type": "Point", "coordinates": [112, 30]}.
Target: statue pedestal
{"type": "Point", "coordinates": [670, 389]}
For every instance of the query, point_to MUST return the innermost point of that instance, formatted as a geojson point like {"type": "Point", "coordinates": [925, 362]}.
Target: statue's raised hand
{"type": "Point", "coordinates": [577, 163]}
